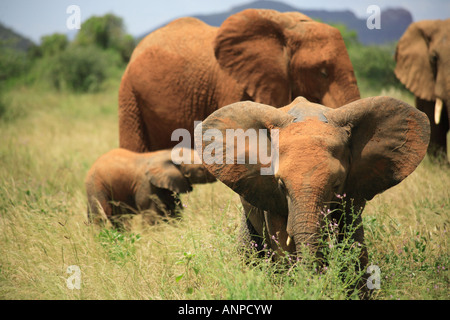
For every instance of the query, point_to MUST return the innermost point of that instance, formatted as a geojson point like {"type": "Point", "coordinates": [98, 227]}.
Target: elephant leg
{"type": "Point", "coordinates": [157, 203]}
{"type": "Point", "coordinates": [99, 209]}
{"type": "Point", "coordinates": [132, 132]}
{"type": "Point", "coordinates": [358, 239]}
{"type": "Point", "coordinates": [143, 195]}
{"type": "Point", "coordinates": [119, 212]}
{"type": "Point", "coordinates": [147, 203]}
{"type": "Point", "coordinates": [151, 213]}
{"type": "Point", "coordinates": [438, 134]}
{"type": "Point", "coordinates": [170, 203]}
{"type": "Point", "coordinates": [351, 229]}
{"type": "Point", "coordinates": [252, 232]}
{"type": "Point", "coordinates": [119, 215]}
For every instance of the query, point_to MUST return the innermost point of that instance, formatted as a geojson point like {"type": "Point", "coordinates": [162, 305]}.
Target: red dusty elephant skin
{"type": "Point", "coordinates": [125, 181]}
{"type": "Point", "coordinates": [186, 70]}
{"type": "Point", "coordinates": [360, 149]}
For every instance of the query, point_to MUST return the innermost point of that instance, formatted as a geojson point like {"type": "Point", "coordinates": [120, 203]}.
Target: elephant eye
{"type": "Point", "coordinates": [433, 57]}
{"type": "Point", "coordinates": [323, 72]}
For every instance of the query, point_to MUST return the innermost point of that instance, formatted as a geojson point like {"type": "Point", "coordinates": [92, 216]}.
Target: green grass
{"type": "Point", "coordinates": [49, 141]}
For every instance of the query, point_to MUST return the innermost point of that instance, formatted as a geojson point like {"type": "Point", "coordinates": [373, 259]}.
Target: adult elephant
{"type": "Point", "coordinates": [423, 66]}
{"type": "Point", "coordinates": [186, 70]}
{"type": "Point", "coordinates": [322, 153]}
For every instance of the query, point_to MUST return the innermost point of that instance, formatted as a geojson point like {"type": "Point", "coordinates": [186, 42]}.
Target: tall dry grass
{"type": "Point", "coordinates": [45, 152]}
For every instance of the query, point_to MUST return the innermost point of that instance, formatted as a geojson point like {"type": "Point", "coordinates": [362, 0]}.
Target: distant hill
{"type": "Point", "coordinates": [393, 21]}
{"type": "Point", "coordinates": [11, 39]}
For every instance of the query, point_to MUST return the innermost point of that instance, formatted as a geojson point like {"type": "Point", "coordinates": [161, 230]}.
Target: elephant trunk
{"type": "Point", "coordinates": [304, 227]}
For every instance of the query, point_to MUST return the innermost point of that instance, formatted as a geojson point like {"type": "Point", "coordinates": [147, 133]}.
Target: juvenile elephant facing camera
{"type": "Point", "coordinates": [122, 181]}
{"type": "Point", "coordinates": [360, 149]}
{"type": "Point", "coordinates": [186, 70]}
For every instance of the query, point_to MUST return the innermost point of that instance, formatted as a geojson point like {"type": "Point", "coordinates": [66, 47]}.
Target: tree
{"type": "Point", "coordinates": [107, 32]}
{"type": "Point", "coordinates": [53, 44]}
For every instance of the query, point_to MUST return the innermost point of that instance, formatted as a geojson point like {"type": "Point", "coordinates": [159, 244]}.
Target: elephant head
{"type": "Point", "coordinates": [423, 62]}
{"type": "Point", "coordinates": [279, 56]}
{"type": "Point", "coordinates": [183, 164]}
{"type": "Point", "coordinates": [177, 170]}
{"type": "Point", "coordinates": [360, 149]}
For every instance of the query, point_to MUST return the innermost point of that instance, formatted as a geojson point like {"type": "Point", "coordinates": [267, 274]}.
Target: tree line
{"type": "Point", "coordinates": [102, 46]}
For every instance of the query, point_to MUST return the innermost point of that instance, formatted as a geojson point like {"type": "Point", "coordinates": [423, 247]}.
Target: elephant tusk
{"type": "Point", "coordinates": [288, 241]}
{"type": "Point", "coordinates": [438, 110]}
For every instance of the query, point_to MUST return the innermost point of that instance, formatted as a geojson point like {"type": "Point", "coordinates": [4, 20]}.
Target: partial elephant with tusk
{"type": "Point", "coordinates": [360, 149]}
{"type": "Point", "coordinates": [122, 181]}
{"type": "Point", "coordinates": [423, 66]}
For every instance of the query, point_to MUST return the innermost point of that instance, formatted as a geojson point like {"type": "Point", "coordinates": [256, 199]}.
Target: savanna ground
{"type": "Point", "coordinates": [50, 138]}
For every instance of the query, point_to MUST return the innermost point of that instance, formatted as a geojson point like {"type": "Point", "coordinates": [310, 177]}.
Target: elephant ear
{"type": "Point", "coordinates": [163, 173]}
{"type": "Point", "coordinates": [251, 47]}
{"type": "Point", "coordinates": [414, 68]}
{"type": "Point", "coordinates": [388, 140]}
{"type": "Point", "coordinates": [238, 164]}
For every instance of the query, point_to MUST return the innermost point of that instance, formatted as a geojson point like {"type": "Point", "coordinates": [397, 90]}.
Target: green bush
{"type": "Point", "coordinates": [374, 65]}
{"type": "Point", "coordinates": [97, 53]}
{"type": "Point", "coordinates": [106, 32]}
{"type": "Point", "coordinates": [78, 69]}
{"type": "Point", "coordinates": [50, 45]}
{"type": "Point", "coordinates": [13, 63]}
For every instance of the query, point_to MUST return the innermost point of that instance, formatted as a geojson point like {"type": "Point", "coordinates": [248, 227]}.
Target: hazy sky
{"type": "Point", "coordinates": [35, 18]}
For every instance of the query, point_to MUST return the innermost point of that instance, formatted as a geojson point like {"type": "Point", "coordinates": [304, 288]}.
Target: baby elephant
{"type": "Point", "coordinates": [122, 181]}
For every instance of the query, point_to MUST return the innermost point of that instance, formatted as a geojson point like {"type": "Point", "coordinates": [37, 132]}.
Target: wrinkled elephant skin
{"type": "Point", "coordinates": [423, 66]}
{"type": "Point", "coordinates": [186, 70]}
{"type": "Point", "coordinates": [354, 150]}
{"type": "Point", "coordinates": [122, 180]}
